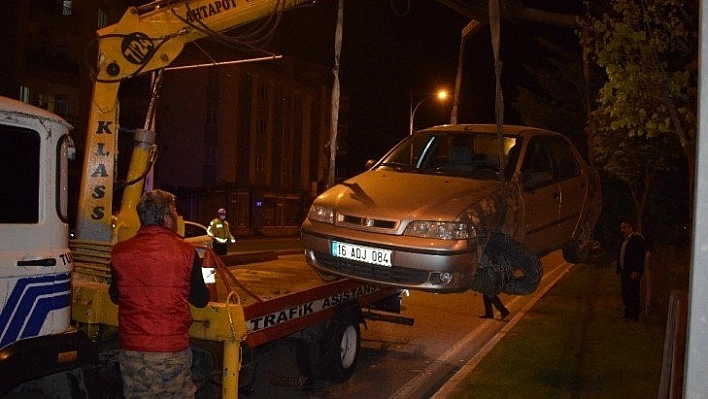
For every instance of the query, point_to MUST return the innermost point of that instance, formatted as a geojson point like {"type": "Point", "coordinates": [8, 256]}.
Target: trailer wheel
{"type": "Point", "coordinates": [334, 356]}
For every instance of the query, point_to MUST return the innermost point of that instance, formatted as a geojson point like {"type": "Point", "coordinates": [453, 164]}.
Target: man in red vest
{"type": "Point", "coordinates": [155, 276]}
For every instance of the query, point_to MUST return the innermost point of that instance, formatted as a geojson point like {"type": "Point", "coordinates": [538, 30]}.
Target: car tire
{"type": "Point", "coordinates": [578, 249]}
{"type": "Point", "coordinates": [334, 356]}
{"type": "Point", "coordinates": [572, 252]}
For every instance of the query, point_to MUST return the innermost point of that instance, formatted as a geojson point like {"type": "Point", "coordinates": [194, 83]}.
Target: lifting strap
{"type": "Point", "coordinates": [494, 28]}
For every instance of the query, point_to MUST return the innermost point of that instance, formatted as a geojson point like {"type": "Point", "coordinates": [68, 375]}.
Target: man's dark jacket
{"type": "Point", "coordinates": [633, 255]}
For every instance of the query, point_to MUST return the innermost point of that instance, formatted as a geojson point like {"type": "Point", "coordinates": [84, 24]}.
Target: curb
{"type": "Point", "coordinates": [460, 376]}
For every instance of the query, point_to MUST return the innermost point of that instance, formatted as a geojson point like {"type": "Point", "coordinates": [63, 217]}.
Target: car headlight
{"type": "Point", "coordinates": [319, 213]}
{"type": "Point", "coordinates": [441, 230]}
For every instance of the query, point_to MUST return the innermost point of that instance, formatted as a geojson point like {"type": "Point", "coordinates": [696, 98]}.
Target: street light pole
{"type": "Point", "coordinates": [412, 113]}
{"type": "Point", "coordinates": [441, 95]}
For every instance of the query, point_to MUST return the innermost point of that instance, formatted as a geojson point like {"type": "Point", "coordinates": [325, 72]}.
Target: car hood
{"type": "Point", "coordinates": [398, 196]}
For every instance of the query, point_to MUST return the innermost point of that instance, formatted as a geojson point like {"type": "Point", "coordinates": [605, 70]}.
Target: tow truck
{"type": "Point", "coordinates": [56, 318]}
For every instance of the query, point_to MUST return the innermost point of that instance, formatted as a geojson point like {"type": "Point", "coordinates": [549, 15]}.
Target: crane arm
{"type": "Point", "coordinates": [147, 38]}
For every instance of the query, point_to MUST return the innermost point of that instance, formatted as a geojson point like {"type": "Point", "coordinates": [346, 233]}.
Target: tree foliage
{"type": "Point", "coordinates": [645, 115]}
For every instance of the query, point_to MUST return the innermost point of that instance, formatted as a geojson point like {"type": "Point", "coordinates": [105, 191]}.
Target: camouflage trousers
{"type": "Point", "coordinates": [157, 374]}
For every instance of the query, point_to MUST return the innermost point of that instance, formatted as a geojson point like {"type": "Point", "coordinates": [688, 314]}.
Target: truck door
{"type": "Point", "coordinates": [35, 262]}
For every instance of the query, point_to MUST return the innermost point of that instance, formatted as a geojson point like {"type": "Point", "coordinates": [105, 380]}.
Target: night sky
{"type": "Point", "coordinates": [390, 55]}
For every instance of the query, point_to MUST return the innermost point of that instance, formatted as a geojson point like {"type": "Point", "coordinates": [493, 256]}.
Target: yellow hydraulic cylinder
{"type": "Point", "coordinates": [127, 222]}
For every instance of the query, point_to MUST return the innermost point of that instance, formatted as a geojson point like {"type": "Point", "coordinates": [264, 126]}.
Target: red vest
{"type": "Point", "coordinates": [152, 272]}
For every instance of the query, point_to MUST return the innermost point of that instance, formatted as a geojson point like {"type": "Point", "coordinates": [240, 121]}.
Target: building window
{"type": "Point", "coordinates": [25, 94]}
{"type": "Point", "coordinates": [67, 7]}
{"type": "Point", "coordinates": [61, 105]}
{"type": "Point", "coordinates": [285, 173]}
{"type": "Point", "coordinates": [260, 161]}
{"type": "Point", "coordinates": [211, 154]}
{"type": "Point", "coordinates": [211, 115]}
{"type": "Point", "coordinates": [262, 92]}
{"type": "Point", "coordinates": [261, 127]}
{"type": "Point", "coordinates": [102, 18]}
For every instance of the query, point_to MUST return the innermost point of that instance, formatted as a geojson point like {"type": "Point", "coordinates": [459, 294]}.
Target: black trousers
{"type": "Point", "coordinates": [220, 248]}
{"type": "Point", "coordinates": [630, 296]}
{"type": "Point", "coordinates": [493, 300]}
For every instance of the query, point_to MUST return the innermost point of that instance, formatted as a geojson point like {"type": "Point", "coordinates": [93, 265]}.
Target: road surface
{"type": "Point", "coordinates": [447, 339]}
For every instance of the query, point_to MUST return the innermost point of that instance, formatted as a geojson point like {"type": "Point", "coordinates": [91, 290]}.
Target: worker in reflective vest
{"type": "Point", "coordinates": [220, 232]}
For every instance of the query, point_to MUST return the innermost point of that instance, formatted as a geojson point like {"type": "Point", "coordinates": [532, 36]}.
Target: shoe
{"type": "Point", "coordinates": [504, 314]}
{"type": "Point", "coordinates": [486, 316]}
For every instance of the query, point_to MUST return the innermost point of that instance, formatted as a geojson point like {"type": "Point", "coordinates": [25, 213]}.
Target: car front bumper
{"type": "Point", "coordinates": [416, 263]}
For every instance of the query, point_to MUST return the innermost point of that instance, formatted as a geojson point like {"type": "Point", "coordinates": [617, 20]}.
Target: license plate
{"type": "Point", "coordinates": [361, 253]}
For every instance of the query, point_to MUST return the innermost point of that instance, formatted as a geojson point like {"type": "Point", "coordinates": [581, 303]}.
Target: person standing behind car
{"type": "Point", "coordinates": [220, 232]}
{"type": "Point", "coordinates": [630, 267]}
{"type": "Point", "coordinates": [155, 276]}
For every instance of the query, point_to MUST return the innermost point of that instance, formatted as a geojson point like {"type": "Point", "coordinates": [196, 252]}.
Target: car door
{"type": "Point", "coordinates": [572, 182]}
{"type": "Point", "coordinates": [541, 197]}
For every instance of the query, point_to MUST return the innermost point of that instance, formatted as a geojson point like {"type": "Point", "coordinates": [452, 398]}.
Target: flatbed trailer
{"type": "Point", "coordinates": [256, 304]}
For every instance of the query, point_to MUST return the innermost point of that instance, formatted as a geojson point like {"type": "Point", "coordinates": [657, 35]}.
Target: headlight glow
{"type": "Point", "coordinates": [441, 230]}
{"type": "Point", "coordinates": [319, 213]}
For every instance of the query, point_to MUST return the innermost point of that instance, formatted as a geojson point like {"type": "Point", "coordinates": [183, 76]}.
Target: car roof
{"type": "Point", "coordinates": [509, 130]}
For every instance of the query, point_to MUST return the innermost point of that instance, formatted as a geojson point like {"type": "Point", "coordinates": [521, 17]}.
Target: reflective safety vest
{"type": "Point", "coordinates": [219, 230]}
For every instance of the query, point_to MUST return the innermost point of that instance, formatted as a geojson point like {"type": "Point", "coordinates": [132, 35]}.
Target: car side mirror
{"type": "Point", "coordinates": [370, 164]}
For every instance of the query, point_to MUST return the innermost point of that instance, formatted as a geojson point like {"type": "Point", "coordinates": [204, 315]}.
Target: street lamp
{"type": "Point", "coordinates": [441, 95]}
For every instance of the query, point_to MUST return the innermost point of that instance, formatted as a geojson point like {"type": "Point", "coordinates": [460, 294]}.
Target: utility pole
{"type": "Point", "coordinates": [470, 29]}
{"type": "Point", "coordinates": [334, 121]}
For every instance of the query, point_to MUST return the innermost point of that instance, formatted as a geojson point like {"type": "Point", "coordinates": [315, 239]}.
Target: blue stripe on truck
{"type": "Point", "coordinates": [29, 303]}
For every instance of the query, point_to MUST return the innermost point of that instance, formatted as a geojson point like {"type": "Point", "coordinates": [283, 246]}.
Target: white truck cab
{"type": "Point", "coordinates": [35, 260]}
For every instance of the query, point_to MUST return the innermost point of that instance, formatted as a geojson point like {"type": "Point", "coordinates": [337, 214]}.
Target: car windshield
{"type": "Point", "coordinates": [466, 154]}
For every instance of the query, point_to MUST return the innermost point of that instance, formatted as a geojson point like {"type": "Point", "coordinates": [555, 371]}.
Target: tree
{"type": "Point", "coordinates": [635, 160]}
{"type": "Point", "coordinates": [646, 110]}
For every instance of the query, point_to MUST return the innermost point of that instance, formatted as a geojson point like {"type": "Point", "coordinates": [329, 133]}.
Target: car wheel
{"type": "Point", "coordinates": [578, 249]}
{"type": "Point", "coordinates": [334, 356]}
{"type": "Point", "coordinates": [572, 252]}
